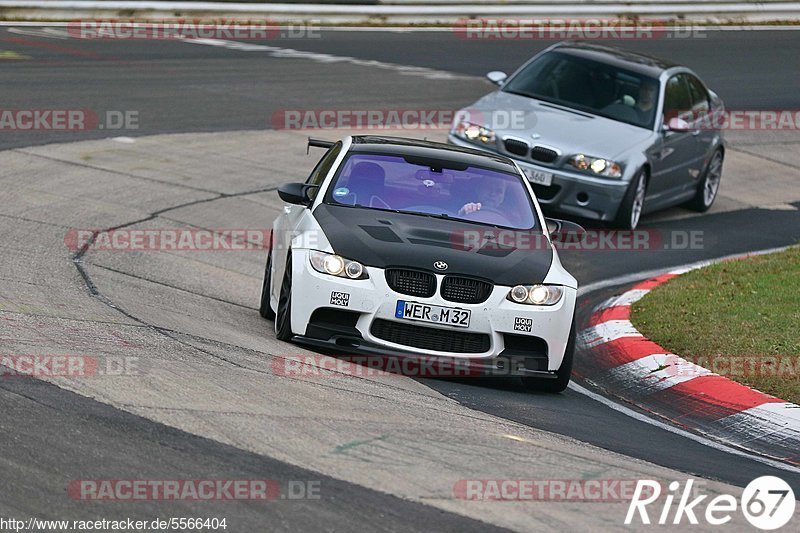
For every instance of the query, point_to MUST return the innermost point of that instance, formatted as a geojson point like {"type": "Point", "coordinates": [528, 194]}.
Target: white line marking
{"type": "Point", "coordinates": [48, 33]}
{"type": "Point", "coordinates": [683, 433]}
{"type": "Point", "coordinates": [278, 52]}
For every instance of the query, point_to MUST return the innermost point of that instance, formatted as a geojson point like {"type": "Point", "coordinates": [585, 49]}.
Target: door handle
{"type": "Point", "coordinates": [287, 209]}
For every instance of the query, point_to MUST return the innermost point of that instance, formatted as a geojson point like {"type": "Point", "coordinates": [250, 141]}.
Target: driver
{"type": "Point", "coordinates": [648, 94]}
{"type": "Point", "coordinates": [489, 195]}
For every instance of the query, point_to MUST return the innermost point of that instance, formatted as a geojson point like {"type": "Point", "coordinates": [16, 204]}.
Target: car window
{"type": "Point", "coordinates": [323, 167]}
{"type": "Point", "coordinates": [677, 101]}
{"type": "Point", "coordinates": [700, 105]}
{"type": "Point", "coordinates": [588, 85]}
{"type": "Point", "coordinates": [391, 182]}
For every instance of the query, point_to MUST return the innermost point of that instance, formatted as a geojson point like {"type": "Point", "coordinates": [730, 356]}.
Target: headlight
{"type": "Point", "coordinates": [536, 294]}
{"type": "Point", "coordinates": [596, 165]}
{"type": "Point", "coordinates": [474, 132]}
{"type": "Point", "coordinates": [336, 265]}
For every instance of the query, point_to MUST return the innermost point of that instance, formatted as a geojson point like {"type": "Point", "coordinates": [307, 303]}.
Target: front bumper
{"type": "Point", "coordinates": [351, 326]}
{"type": "Point", "coordinates": [570, 192]}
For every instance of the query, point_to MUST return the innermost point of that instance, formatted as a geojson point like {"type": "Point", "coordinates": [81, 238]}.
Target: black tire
{"type": "Point", "coordinates": [264, 308]}
{"type": "Point", "coordinates": [708, 187]}
{"type": "Point", "coordinates": [559, 384]}
{"type": "Point", "coordinates": [283, 318]}
{"type": "Point", "coordinates": [630, 210]}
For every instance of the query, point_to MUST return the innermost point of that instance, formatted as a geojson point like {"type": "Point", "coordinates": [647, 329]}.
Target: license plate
{"type": "Point", "coordinates": [539, 177]}
{"type": "Point", "coordinates": [432, 314]}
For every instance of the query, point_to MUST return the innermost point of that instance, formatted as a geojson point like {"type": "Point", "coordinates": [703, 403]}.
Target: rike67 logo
{"type": "Point", "coordinates": [767, 503]}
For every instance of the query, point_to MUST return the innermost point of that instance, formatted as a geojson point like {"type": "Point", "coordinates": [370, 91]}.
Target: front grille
{"type": "Point", "coordinates": [439, 340]}
{"type": "Point", "coordinates": [516, 147]}
{"type": "Point", "coordinates": [411, 282]}
{"type": "Point", "coordinates": [545, 155]}
{"type": "Point", "coordinates": [465, 290]}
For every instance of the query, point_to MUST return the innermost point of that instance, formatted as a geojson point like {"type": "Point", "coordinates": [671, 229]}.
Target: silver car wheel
{"type": "Point", "coordinates": [713, 177]}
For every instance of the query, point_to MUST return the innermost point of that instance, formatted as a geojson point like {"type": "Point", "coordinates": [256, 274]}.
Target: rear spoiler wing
{"type": "Point", "coordinates": [319, 143]}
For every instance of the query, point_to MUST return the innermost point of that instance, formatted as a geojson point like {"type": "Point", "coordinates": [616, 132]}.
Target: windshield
{"type": "Point", "coordinates": [430, 188]}
{"type": "Point", "coordinates": [589, 86]}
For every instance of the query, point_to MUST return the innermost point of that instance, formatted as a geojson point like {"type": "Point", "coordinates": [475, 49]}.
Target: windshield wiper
{"type": "Point", "coordinates": [519, 93]}
{"type": "Point", "coordinates": [429, 215]}
{"type": "Point", "coordinates": [566, 109]}
{"type": "Point", "coordinates": [554, 103]}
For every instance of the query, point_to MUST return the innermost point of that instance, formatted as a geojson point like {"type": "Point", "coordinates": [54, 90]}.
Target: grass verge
{"type": "Point", "coordinates": [738, 318]}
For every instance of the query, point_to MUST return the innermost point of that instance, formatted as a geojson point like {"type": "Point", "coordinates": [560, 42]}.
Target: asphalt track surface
{"type": "Point", "coordinates": [177, 87]}
{"type": "Point", "coordinates": [180, 87]}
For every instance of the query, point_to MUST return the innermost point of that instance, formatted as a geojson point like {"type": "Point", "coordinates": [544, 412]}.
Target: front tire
{"type": "Point", "coordinates": [708, 187]}
{"type": "Point", "coordinates": [630, 210]}
{"type": "Point", "coordinates": [283, 318]}
{"type": "Point", "coordinates": [559, 384]}
{"type": "Point", "coordinates": [265, 309]}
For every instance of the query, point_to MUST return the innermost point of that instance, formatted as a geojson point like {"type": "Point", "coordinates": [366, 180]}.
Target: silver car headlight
{"type": "Point", "coordinates": [336, 265]}
{"type": "Point", "coordinates": [536, 294]}
{"type": "Point", "coordinates": [474, 132]}
{"type": "Point", "coordinates": [596, 165]}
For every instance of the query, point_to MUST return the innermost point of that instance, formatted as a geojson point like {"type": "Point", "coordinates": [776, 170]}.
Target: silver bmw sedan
{"type": "Point", "coordinates": [603, 133]}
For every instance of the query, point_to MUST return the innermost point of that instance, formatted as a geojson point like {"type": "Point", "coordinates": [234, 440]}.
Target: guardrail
{"type": "Point", "coordinates": [408, 12]}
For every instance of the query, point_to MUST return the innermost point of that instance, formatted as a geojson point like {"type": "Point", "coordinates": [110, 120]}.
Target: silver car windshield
{"type": "Point", "coordinates": [443, 190]}
{"type": "Point", "coordinates": [590, 86]}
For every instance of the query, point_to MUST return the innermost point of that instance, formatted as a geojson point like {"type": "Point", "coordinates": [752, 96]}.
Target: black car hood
{"type": "Point", "coordinates": [385, 239]}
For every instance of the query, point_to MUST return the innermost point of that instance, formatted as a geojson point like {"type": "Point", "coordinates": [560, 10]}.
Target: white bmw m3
{"type": "Point", "coordinates": [407, 248]}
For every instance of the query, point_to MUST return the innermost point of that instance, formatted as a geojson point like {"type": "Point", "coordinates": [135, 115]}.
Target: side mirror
{"type": "Point", "coordinates": [497, 77]}
{"type": "Point", "coordinates": [677, 124]}
{"type": "Point", "coordinates": [294, 193]}
{"type": "Point", "coordinates": [562, 231]}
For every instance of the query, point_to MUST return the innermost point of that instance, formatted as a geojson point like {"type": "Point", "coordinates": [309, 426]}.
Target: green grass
{"type": "Point", "coordinates": [739, 318]}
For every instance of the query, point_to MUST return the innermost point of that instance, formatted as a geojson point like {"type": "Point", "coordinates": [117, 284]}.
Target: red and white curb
{"type": "Point", "coordinates": [641, 372]}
